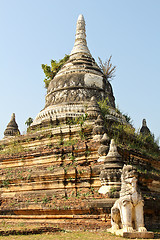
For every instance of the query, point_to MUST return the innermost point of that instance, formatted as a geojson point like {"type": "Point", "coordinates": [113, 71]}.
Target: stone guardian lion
{"type": "Point", "coordinates": [127, 211]}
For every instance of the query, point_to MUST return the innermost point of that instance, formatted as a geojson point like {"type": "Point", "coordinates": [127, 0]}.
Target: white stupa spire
{"type": "Point", "coordinates": [80, 45]}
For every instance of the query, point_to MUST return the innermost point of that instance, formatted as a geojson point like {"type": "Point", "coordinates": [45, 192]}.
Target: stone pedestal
{"type": "Point", "coordinates": [144, 235]}
{"type": "Point", "coordinates": [132, 235]}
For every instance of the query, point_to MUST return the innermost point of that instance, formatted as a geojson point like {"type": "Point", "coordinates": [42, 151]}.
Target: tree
{"type": "Point", "coordinates": [107, 68]}
{"type": "Point", "coordinates": [50, 71]}
{"type": "Point", "coordinates": [29, 121]}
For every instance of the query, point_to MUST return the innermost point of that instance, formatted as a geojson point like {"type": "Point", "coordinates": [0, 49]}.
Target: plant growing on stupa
{"type": "Point", "coordinates": [50, 71]}
{"type": "Point", "coordinates": [81, 120]}
{"type": "Point", "coordinates": [29, 121]}
{"type": "Point", "coordinates": [107, 68]}
{"type": "Point", "coordinates": [104, 106]}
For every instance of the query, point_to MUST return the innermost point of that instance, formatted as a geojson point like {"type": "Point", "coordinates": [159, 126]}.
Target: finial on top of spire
{"type": "Point", "coordinates": [80, 45]}
{"type": "Point", "coordinates": [80, 18]}
{"type": "Point", "coordinates": [144, 123]}
{"type": "Point", "coordinates": [13, 117]}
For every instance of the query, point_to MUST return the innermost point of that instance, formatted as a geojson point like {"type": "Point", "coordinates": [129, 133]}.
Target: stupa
{"type": "Point", "coordinates": [111, 171]}
{"type": "Point", "coordinates": [144, 129]}
{"type": "Point", "coordinates": [70, 91]}
{"type": "Point", "coordinates": [12, 128]}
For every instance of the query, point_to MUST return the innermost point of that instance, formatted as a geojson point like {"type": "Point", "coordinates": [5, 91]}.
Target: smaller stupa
{"type": "Point", "coordinates": [104, 147]}
{"type": "Point", "coordinates": [98, 128]}
{"type": "Point", "coordinates": [110, 174]}
{"type": "Point", "coordinates": [144, 129]}
{"type": "Point", "coordinates": [93, 109]}
{"type": "Point", "coordinates": [12, 128]}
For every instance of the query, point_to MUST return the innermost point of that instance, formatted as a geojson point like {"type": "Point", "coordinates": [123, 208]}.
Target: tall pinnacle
{"type": "Point", "coordinates": [80, 45]}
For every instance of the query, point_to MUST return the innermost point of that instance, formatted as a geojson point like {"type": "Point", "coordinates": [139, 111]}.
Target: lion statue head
{"type": "Point", "coordinates": [129, 180]}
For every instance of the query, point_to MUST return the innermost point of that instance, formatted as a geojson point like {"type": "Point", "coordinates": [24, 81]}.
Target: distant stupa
{"type": "Point", "coordinates": [144, 129]}
{"type": "Point", "coordinates": [71, 90]}
{"type": "Point", "coordinates": [12, 128]}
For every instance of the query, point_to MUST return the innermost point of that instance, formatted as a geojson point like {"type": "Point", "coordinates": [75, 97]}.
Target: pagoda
{"type": "Point", "coordinates": [70, 91]}
{"type": "Point", "coordinates": [144, 129]}
{"type": "Point", "coordinates": [12, 128]}
{"type": "Point", "coordinates": [67, 176]}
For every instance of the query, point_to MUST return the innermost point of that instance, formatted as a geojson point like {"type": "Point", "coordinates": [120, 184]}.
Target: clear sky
{"type": "Point", "coordinates": [33, 32]}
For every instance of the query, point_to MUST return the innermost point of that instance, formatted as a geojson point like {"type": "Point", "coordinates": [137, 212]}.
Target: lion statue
{"type": "Point", "coordinates": [127, 211]}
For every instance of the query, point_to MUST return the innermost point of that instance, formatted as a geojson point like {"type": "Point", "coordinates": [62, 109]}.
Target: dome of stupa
{"type": "Point", "coordinates": [80, 78]}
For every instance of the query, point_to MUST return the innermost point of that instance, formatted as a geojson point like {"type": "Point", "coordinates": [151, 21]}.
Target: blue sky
{"type": "Point", "coordinates": [35, 31]}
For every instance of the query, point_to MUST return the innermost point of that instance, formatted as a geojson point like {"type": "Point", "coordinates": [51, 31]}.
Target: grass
{"type": "Point", "coordinates": [57, 235]}
{"type": "Point", "coordinates": [126, 136]}
{"type": "Point", "coordinates": [65, 236]}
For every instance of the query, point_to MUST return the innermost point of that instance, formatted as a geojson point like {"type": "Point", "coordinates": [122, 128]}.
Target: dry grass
{"type": "Point", "coordinates": [65, 236]}
{"type": "Point", "coordinates": [61, 235]}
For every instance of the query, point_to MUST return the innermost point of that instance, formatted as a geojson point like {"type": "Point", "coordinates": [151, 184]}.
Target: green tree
{"type": "Point", "coordinates": [107, 68]}
{"type": "Point", "coordinates": [29, 121]}
{"type": "Point", "coordinates": [50, 71]}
